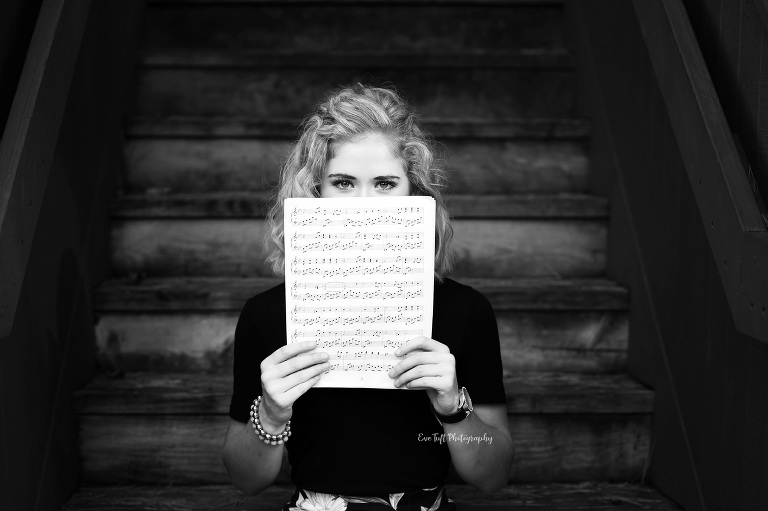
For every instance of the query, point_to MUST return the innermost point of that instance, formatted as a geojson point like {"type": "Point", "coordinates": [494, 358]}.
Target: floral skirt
{"type": "Point", "coordinates": [430, 499]}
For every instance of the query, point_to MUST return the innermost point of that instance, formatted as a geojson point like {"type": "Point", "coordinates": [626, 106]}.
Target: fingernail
{"type": "Point", "coordinates": [397, 352]}
{"type": "Point", "coordinates": [324, 356]}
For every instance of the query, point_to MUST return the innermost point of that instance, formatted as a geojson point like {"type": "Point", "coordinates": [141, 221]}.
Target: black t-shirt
{"type": "Point", "coordinates": [371, 441]}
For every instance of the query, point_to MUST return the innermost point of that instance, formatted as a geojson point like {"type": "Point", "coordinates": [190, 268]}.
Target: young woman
{"type": "Point", "coordinates": [368, 448]}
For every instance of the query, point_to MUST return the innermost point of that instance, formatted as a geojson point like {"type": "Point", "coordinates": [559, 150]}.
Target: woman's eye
{"type": "Point", "coordinates": [386, 185]}
{"type": "Point", "coordinates": [342, 183]}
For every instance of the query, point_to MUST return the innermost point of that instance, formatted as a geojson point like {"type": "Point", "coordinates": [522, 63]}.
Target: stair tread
{"type": "Point", "coordinates": [527, 393]}
{"type": "Point", "coordinates": [229, 293]}
{"type": "Point", "coordinates": [183, 126]}
{"type": "Point", "coordinates": [252, 58]}
{"type": "Point", "coordinates": [255, 204]}
{"type": "Point", "coordinates": [540, 497]}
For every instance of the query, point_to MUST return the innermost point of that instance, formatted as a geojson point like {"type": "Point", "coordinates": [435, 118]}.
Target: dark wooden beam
{"type": "Point", "coordinates": [30, 137]}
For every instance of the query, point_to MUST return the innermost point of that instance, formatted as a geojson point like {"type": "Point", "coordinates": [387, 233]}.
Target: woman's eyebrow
{"type": "Point", "coordinates": [387, 177]}
{"type": "Point", "coordinates": [343, 176]}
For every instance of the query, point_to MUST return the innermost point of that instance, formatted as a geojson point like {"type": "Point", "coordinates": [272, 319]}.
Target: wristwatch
{"type": "Point", "coordinates": [465, 408]}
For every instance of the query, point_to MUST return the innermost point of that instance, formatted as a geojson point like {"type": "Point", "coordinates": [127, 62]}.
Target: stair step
{"type": "Point", "coordinates": [279, 58]}
{"type": "Point", "coordinates": [142, 442]}
{"type": "Point", "coordinates": [527, 393]}
{"type": "Point", "coordinates": [184, 449]}
{"type": "Point", "coordinates": [188, 324]}
{"type": "Point", "coordinates": [505, 248]}
{"type": "Point", "coordinates": [254, 205]}
{"type": "Point", "coordinates": [520, 497]}
{"type": "Point", "coordinates": [190, 126]}
{"type": "Point", "coordinates": [354, 26]}
{"type": "Point", "coordinates": [495, 166]}
{"type": "Point", "coordinates": [293, 92]}
{"type": "Point", "coordinates": [227, 294]}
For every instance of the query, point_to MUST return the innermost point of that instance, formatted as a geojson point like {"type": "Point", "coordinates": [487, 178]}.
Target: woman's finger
{"type": "Point", "coordinates": [299, 390]}
{"type": "Point", "coordinates": [428, 383]}
{"type": "Point", "coordinates": [299, 377]}
{"type": "Point", "coordinates": [298, 363]}
{"type": "Point", "coordinates": [420, 358]}
{"type": "Point", "coordinates": [424, 371]}
{"type": "Point", "coordinates": [288, 351]}
{"type": "Point", "coordinates": [421, 343]}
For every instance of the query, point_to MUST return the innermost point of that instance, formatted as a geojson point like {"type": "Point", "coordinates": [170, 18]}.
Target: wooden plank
{"type": "Point", "coordinates": [190, 126]}
{"type": "Point", "coordinates": [255, 205]}
{"type": "Point", "coordinates": [527, 393]}
{"type": "Point", "coordinates": [228, 294]}
{"type": "Point", "coordinates": [490, 166]}
{"type": "Point", "coordinates": [530, 341]}
{"type": "Point", "coordinates": [761, 166]}
{"type": "Point", "coordinates": [187, 449]}
{"type": "Point", "coordinates": [482, 248]}
{"type": "Point", "coordinates": [275, 59]}
{"type": "Point", "coordinates": [748, 89]}
{"type": "Point", "coordinates": [485, 93]}
{"type": "Point", "coordinates": [29, 139]}
{"type": "Point", "coordinates": [520, 497]}
{"type": "Point", "coordinates": [708, 35]}
{"type": "Point", "coordinates": [600, 361]}
{"type": "Point", "coordinates": [356, 26]}
{"type": "Point", "coordinates": [753, 306]}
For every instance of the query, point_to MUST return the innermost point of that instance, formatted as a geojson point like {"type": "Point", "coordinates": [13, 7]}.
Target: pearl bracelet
{"type": "Point", "coordinates": [265, 437]}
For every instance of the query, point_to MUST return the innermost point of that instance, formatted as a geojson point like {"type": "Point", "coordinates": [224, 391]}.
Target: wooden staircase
{"type": "Point", "coordinates": [222, 87]}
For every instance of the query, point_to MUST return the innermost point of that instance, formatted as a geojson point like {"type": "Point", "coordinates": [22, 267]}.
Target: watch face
{"type": "Point", "coordinates": [465, 397]}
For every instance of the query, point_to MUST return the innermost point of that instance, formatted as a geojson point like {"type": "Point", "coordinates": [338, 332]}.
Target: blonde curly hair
{"type": "Point", "coordinates": [345, 115]}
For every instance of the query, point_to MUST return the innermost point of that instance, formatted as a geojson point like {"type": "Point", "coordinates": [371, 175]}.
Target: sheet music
{"type": "Point", "coordinates": [359, 280]}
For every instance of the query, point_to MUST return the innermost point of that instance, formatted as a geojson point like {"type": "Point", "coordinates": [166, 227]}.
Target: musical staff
{"type": "Point", "coordinates": [357, 217]}
{"type": "Point", "coordinates": [360, 338]}
{"type": "Point", "coordinates": [360, 265]}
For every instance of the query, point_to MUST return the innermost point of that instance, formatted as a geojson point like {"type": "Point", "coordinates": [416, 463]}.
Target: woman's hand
{"type": "Point", "coordinates": [428, 365]}
{"type": "Point", "coordinates": [285, 375]}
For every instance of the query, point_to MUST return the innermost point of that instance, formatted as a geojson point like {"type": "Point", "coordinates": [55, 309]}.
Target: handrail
{"type": "Point", "coordinates": [735, 229]}
{"type": "Point", "coordinates": [30, 137]}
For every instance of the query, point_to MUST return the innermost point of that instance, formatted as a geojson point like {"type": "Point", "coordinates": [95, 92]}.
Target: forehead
{"type": "Point", "coordinates": [370, 153]}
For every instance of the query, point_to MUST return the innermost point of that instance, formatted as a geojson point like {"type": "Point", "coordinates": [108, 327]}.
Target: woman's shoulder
{"type": "Point", "coordinates": [459, 301]}
{"type": "Point", "coordinates": [267, 301]}
{"type": "Point", "coordinates": [451, 289]}
{"type": "Point", "coordinates": [269, 295]}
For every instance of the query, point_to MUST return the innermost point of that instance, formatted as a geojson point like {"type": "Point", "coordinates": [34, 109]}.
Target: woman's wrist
{"type": "Point", "coordinates": [447, 404]}
{"type": "Point", "coordinates": [270, 426]}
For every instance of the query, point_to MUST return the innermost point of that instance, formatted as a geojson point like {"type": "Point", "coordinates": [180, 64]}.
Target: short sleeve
{"type": "Point", "coordinates": [480, 368]}
{"type": "Point", "coordinates": [247, 364]}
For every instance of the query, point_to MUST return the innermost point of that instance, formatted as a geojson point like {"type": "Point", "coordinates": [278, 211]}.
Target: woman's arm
{"type": "Point", "coordinates": [251, 464]}
{"type": "Point", "coordinates": [481, 447]}
{"type": "Point", "coordinates": [485, 463]}
{"type": "Point", "coordinates": [286, 374]}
